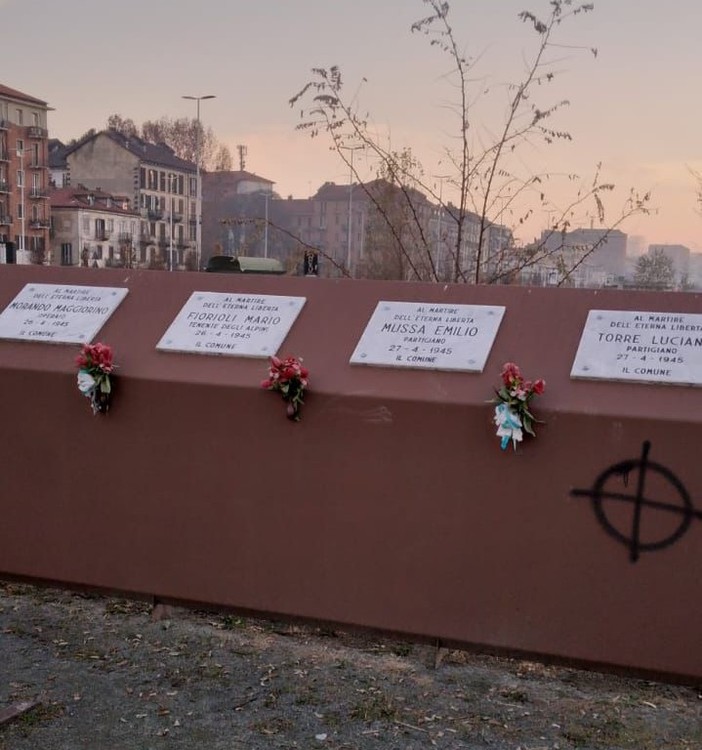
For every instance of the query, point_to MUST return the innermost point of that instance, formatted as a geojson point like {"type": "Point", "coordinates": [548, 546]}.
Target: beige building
{"type": "Point", "coordinates": [161, 187]}
{"type": "Point", "coordinates": [24, 214]}
{"type": "Point", "coordinates": [92, 228]}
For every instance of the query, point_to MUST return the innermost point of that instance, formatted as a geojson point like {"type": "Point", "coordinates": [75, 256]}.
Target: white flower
{"type": "Point", "coordinates": [86, 382]}
{"type": "Point", "coordinates": [509, 425]}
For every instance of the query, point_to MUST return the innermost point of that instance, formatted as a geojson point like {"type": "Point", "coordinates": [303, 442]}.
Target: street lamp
{"type": "Point", "coordinates": [198, 200]}
{"type": "Point", "coordinates": [348, 245]}
{"type": "Point", "coordinates": [439, 239]}
{"type": "Point", "coordinates": [170, 191]}
{"type": "Point", "coordinates": [265, 235]}
{"type": "Point", "coordinates": [22, 249]}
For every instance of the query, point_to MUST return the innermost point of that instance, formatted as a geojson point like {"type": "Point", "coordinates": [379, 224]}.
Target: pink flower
{"type": "Point", "coordinates": [266, 384]}
{"type": "Point", "coordinates": [539, 386]}
{"type": "Point", "coordinates": [511, 374]}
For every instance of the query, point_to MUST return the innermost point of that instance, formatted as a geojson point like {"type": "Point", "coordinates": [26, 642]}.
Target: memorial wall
{"type": "Point", "coordinates": [506, 468]}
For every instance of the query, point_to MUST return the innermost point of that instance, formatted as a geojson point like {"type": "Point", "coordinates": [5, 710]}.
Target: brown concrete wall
{"type": "Point", "coordinates": [389, 506]}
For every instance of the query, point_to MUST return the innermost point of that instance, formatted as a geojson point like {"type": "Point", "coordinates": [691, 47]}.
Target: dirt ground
{"type": "Point", "coordinates": [108, 677]}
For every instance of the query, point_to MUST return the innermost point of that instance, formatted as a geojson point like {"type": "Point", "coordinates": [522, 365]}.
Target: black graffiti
{"type": "Point", "coordinates": [641, 468]}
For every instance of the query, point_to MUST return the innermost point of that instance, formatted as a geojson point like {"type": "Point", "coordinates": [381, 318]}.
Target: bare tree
{"type": "Point", "coordinates": [123, 125]}
{"type": "Point", "coordinates": [487, 172]}
{"type": "Point", "coordinates": [187, 137]}
{"type": "Point", "coordinates": [698, 189]}
{"type": "Point", "coordinates": [654, 271]}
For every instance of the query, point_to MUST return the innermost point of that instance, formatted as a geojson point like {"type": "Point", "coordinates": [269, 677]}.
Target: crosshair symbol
{"type": "Point", "coordinates": [686, 510]}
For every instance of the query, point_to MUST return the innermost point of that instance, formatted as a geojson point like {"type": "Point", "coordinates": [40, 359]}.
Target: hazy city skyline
{"type": "Point", "coordinates": [633, 108]}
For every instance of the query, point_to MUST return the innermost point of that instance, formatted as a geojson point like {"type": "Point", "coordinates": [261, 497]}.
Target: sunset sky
{"type": "Point", "coordinates": [635, 107]}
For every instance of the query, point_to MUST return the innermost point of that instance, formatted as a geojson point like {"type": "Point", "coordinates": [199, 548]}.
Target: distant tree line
{"type": "Point", "coordinates": [185, 136]}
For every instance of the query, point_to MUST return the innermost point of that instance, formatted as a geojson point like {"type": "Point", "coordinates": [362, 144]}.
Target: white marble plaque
{"type": "Point", "coordinates": [238, 325]}
{"type": "Point", "coordinates": [62, 314]}
{"type": "Point", "coordinates": [648, 347]}
{"type": "Point", "coordinates": [429, 335]}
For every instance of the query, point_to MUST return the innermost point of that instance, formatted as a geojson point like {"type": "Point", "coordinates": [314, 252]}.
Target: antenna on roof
{"type": "Point", "coordinates": [242, 156]}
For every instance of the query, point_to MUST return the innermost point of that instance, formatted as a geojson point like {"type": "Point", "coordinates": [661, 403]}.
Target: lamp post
{"type": "Point", "coordinates": [348, 229]}
{"type": "Point", "coordinates": [198, 200]}
{"type": "Point", "coordinates": [439, 240]}
{"type": "Point", "coordinates": [265, 230]}
{"type": "Point", "coordinates": [22, 249]}
{"type": "Point", "coordinates": [170, 190]}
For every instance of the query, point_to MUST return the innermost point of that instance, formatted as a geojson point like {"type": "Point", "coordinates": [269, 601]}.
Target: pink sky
{"type": "Point", "coordinates": [634, 108]}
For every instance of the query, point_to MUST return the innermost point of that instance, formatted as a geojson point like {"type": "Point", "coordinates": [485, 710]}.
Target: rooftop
{"type": "Point", "coordinates": [8, 93]}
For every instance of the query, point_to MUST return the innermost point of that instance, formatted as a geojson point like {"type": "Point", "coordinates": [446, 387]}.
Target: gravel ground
{"type": "Point", "coordinates": [108, 677]}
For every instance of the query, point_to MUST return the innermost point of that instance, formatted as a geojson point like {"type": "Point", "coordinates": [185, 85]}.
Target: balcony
{"type": "Point", "coordinates": [35, 192]}
{"type": "Point", "coordinates": [154, 214]}
{"type": "Point", "coordinates": [4, 124]}
{"type": "Point", "coordinates": [102, 235]}
{"type": "Point", "coordinates": [4, 186]}
{"type": "Point", "coordinates": [36, 165]}
{"type": "Point", "coordinates": [5, 220]}
{"type": "Point", "coordinates": [36, 132]}
{"type": "Point", "coordinates": [177, 216]}
{"type": "Point", "coordinates": [39, 224]}
{"type": "Point", "coordinates": [124, 237]}
{"type": "Point", "coordinates": [4, 155]}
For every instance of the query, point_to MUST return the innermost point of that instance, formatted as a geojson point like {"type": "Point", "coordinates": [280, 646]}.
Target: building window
{"type": "Point", "coordinates": [142, 177]}
{"type": "Point", "coordinates": [86, 224]}
{"type": "Point", "coordinates": [193, 185]}
{"type": "Point", "coordinates": [20, 178]}
{"type": "Point", "coordinates": [20, 210]}
{"type": "Point", "coordinates": [20, 117]}
{"type": "Point", "coordinates": [66, 254]}
{"type": "Point", "coordinates": [110, 223]}
{"type": "Point", "coordinates": [97, 253]}
{"type": "Point", "coordinates": [162, 181]}
{"type": "Point", "coordinates": [35, 119]}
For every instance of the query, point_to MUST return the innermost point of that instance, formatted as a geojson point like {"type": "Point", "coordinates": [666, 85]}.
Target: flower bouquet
{"type": "Point", "coordinates": [512, 413]}
{"type": "Point", "coordinates": [289, 378]}
{"type": "Point", "coordinates": [94, 370]}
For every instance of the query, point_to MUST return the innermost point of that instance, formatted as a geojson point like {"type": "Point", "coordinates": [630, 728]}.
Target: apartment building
{"type": "Point", "coordinates": [24, 213]}
{"type": "Point", "coordinates": [161, 187]}
{"type": "Point", "coordinates": [92, 228]}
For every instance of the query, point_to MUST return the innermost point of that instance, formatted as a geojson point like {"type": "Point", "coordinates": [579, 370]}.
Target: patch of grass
{"type": "Point", "coordinates": [276, 725]}
{"type": "Point", "coordinates": [229, 622]}
{"type": "Point", "coordinates": [402, 649]}
{"type": "Point", "coordinates": [515, 695]}
{"type": "Point", "coordinates": [126, 607]}
{"type": "Point", "coordinates": [610, 732]}
{"type": "Point", "coordinates": [42, 713]}
{"type": "Point", "coordinates": [374, 706]}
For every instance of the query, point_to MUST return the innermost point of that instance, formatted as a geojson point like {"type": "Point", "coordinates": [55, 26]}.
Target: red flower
{"type": "Point", "coordinates": [511, 374]}
{"type": "Point", "coordinates": [289, 378]}
{"type": "Point", "coordinates": [539, 387]}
